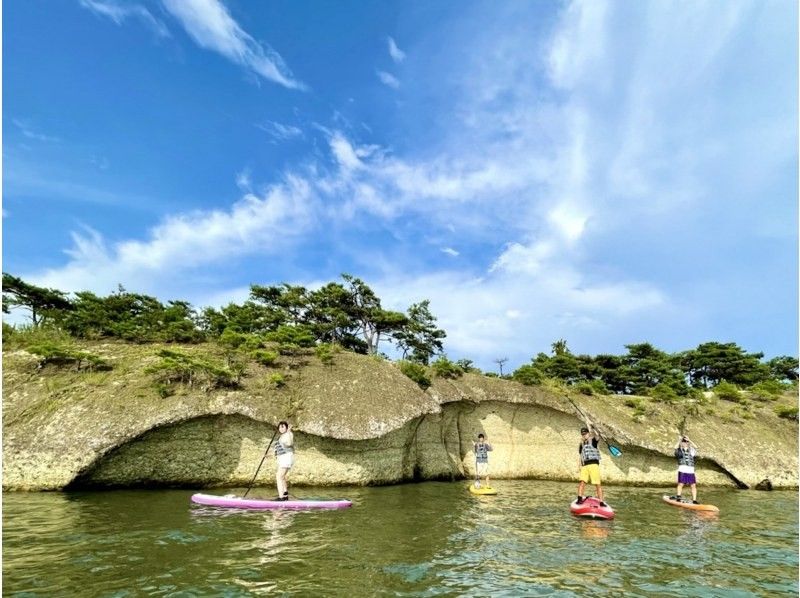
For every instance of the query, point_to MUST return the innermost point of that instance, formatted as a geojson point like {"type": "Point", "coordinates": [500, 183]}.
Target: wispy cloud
{"type": "Point", "coordinates": [28, 131]}
{"type": "Point", "coordinates": [26, 178]}
{"type": "Point", "coordinates": [396, 53]}
{"type": "Point", "coordinates": [388, 79]}
{"type": "Point", "coordinates": [210, 24]}
{"type": "Point", "coordinates": [119, 12]}
{"type": "Point", "coordinates": [280, 132]}
{"type": "Point", "coordinates": [182, 242]}
{"type": "Point", "coordinates": [450, 251]}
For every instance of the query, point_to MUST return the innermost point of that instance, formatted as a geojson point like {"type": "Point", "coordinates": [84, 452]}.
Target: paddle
{"type": "Point", "coordinates": [615, 452]}
{"type": "Point", "coordinates": [477, 481]}
{"type": "Point", "coordinates": [260, 464]}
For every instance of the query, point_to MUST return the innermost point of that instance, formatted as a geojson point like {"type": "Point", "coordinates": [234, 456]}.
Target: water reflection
{"type": "Point", "coordinates": [595, 530]}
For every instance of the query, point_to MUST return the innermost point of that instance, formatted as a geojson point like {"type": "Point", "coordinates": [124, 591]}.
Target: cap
{"type": "Point", "coordinates": [684, 439]}
{"type": "Point", "coordinates": [584, 430]}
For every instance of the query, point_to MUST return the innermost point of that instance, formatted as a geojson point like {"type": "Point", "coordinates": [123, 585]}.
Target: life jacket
{"type": "Point", "coordinates": [282, 450]}
{"type": "Point", "coordinates": [589, 452]}
{"type": "Point", "coordinates": [685, 457]}
{"type": "Point", "coordinates": [482, 453]}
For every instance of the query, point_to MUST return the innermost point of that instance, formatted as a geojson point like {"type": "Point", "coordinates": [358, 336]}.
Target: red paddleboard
{"type": "Point", "coordinates": [591, 508]}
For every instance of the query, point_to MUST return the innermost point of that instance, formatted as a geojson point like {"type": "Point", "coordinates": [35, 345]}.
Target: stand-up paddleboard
{"type": "Point", "coordinates": [234, 502]}
{"type": "Point", "coordinates": [591, 508]}
{"type": "Point", "coordinates": [482, 491]}
{"type": "Point", "coordinates": [691, 506]}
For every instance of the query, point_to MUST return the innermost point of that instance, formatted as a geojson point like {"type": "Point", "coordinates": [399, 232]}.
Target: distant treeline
{"type": "Point", "coordinates": [349, 314]}
{"type": "Point", "coordinates": [646, 370]}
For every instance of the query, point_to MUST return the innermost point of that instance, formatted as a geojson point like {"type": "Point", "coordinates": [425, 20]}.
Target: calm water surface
{"type": "Point", "coordinates": [431, 539]}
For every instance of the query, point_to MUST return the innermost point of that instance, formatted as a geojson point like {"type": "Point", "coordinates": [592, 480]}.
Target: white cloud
{"type": "Point", "coordinates": [483, 320]}
{"type": "Point", "coordinates": [119, 12]}
{"type": "Point", "coordinates": [450, 251]}
{"type": "Point", "coordinates": [28, 131]}
{"type": "Point", "coordinates": [243, 181]}
{"type": "Point", "coordinates": [388, 80]}
{"type": "Point", "coordinates": [255, 224]}
{"type": "Point", "coordinates": [212, 27]}
{"type": "Point", "coordinates": [280, 132]}
{"type": "Point", "coordinates": [396, 53]}
{"type": "Point", "coordinates": [345, 153]}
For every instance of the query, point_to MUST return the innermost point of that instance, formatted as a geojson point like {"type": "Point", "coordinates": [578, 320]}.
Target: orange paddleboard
{"type": "Point", "coordinates": [691, 506]}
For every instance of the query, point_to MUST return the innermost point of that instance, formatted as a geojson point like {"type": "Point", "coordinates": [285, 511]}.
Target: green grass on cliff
{"type": "Point", "coordinates": [288, 383]}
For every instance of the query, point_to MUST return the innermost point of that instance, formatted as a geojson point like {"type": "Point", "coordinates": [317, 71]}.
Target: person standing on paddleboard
{"type": "Point", "coordinates": [284, 452]}
{"type": "Point", "coordinates": [589, 463]}
{"type": "Point", "coordinates": [685, 453]}
{"type": "Point", "coordinates": [481, 448]}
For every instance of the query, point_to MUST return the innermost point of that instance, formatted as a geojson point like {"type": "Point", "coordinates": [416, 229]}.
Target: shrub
{"type": "Point", "coordinates": [633, 402]}
{"type": "Point", "coordinates": [292, 335]}
{"type": "Point", "coordinates": [231, 339]}
{"type": "Point", "coordinates": [786, 412]}
{"type": "Point", "coordinates": [253, 342]}
{"type": "Point", "coordinates": [555, 384]}
{"type": "Point", "coordinates": [417, 372]}
{"type": "Point", "coordinates": [27, 335]}
{"type": "Point", "coordinates": [325, 352]}
{"type": "Point", "coordinates": [663, 393]}
{"type": "Point", "coordinates": [164, 390]}
{"type": "Point", "coordinates": [179, 368]}
{"type": "Point", "coordinates": [60, 355]}
{"type": "Point", "coordinates": [444, 368]}
{"type": "Point", "coordinates": [767, 390]}
{"type": "Point", "coordinates": [728, 392]}
{"type": "Point", "coordinates": [592, 387]}
{"type": "Point", "coordinates": [264, 357]}
{"type": "Point", "coordinates": [466, 365]}
{"type": "Point", "coordinates": [529, 375]}
{"type": "Point", "coordinates": [277, 380]}
{"type": "Point", "coordinates": [491, 374]}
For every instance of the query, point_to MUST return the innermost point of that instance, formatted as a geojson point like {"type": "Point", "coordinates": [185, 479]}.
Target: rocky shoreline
{"type": "Point", "coordinates": [358, 421]}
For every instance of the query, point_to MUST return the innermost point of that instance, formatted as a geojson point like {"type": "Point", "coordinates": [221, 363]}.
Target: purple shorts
{"type": "Point", "coordinates": [686, 478]}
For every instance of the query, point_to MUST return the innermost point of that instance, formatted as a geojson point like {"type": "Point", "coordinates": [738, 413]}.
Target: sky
{"type": "Point", "coordinates": [601, 172]}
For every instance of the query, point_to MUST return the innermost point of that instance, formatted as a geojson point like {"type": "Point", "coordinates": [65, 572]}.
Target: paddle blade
{"type": "Point", "coordinates": [615, 452]}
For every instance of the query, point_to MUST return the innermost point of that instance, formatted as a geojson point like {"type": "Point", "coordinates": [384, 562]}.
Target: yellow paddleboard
{"type": "Point", "coordinates": [483, 490]}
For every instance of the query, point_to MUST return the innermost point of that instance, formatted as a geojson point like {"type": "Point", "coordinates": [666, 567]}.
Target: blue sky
{"type": "Point", "coordinates": [606, 173]}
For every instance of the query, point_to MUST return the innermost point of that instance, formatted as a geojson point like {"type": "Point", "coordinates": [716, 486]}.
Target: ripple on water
{"type": "Point", "coordinates": [429, 539]}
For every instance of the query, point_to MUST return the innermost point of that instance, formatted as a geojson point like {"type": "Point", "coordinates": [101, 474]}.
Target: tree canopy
{"type": "Point", "coordinates": [349, 313]}
{"type": "Point", "coordinates": [645, 367]}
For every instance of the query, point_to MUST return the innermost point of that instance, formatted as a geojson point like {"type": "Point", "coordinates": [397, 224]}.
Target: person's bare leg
{"type": "Point", "coordinates": [281, 481]}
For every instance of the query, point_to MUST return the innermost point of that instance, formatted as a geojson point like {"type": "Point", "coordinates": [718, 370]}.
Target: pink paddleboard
{"type": "Point", "coordinates": [234, 502]}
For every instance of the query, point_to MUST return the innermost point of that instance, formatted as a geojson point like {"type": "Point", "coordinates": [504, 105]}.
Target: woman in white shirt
{"type": "Point", "coordinates": [284, 452]}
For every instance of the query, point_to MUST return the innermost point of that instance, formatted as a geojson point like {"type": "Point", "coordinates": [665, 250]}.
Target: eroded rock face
{"type": "Point", "coordinates": [529, 441]}
{"type": "Point", "coordinates": [360, 422]}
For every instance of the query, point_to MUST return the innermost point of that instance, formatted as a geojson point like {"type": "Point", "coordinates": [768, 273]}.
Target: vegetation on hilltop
{"type": "Point", "coordinates": [286, 322]}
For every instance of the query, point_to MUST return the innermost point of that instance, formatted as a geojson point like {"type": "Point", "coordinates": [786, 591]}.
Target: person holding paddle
{"type": "Point", "coordinates": [589, 463]}
{"type": "Point", "coordinates": [685, 453]}
{"type": "Point", "coordinates": [284, 453]}
{"type": "Point", "coordinates": [481, 448]}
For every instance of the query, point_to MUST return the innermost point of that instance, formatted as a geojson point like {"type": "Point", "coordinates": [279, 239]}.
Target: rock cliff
{"type": "Point", "coordinates": [356, 421]}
